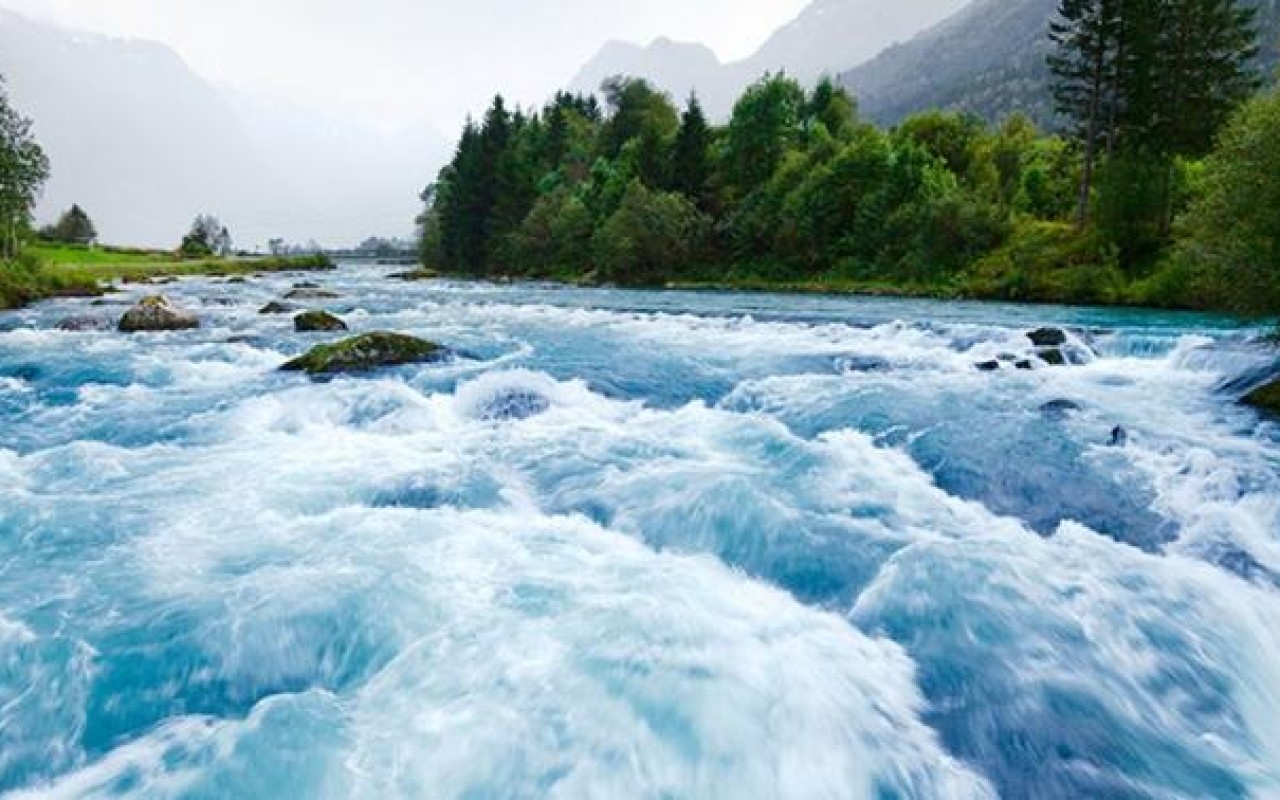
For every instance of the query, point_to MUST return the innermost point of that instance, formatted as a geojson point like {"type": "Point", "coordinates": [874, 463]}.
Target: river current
{"type": "Point", "coordinates": [637, 545]}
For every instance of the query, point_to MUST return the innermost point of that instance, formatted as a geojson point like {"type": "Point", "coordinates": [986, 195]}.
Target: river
{"type": "Point", "coordinates": [637, 544]}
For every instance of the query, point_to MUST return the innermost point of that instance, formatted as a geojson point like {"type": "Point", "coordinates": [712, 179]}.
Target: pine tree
{"type": "Point", "coordinates": [690, 156]}
{"type": "Point", "coordinates": [1084, 67]}
{"type": "Point", "coordinates": [1206, 52]}
{"type": "Point", "coordinates": [73, 227]}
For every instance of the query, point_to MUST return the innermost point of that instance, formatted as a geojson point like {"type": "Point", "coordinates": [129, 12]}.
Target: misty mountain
{"type": "Point", "coordinates": [827, 37]}
{"type": "Point", "coordinates": [143, 144]}
{"type": "Point", "coordinates": [989, 59]}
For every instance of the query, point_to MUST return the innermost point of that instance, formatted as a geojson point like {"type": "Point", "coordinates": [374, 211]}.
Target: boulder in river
{"type": "Point", "coordinates": [1052, 356]}
{"type": "Point", "coordinates": [83, 324]}
{"type": "Point", "coordinates": [156, 313]}
{"type": "Point", "coordinates": [276, 307]}
{"type": "Point", "coordinates": [318, 322]}
{"type": "Point", "coordinates": [988, 366]}
{"type": "Point", "coordinates": [309, 293]}
{"type": "Point", "coordinates": [366, 352]}
{"type": "Point", "coordinates": [1048, 337]}
{"type": "Point", "coordinates": [1265, 398]}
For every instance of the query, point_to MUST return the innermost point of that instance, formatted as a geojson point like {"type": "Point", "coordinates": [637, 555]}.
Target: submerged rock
{"type": "Point", "coordinates": [318, 322]}
{"type": "Point", "coordinates": [514, 404]}
{"type": "Point", "coordinates": [1265, 398]}
{"type": "Point", "coordinates": [310, 293]}
{"type": "Point", "coordinates": [276, 307]}
{"type": "Point", "coordinates": [1060, 408]}
{"type": "Point", "coordinates": [366, 352]}
{"type": "Point", "coordinates": [1048, 337]}
{"type": "Point", "coordinates": [156, 313]}
{"type": "Point", "coordinates": [83, 324]}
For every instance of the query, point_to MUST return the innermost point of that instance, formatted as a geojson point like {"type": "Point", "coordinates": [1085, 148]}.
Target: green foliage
{"type": "Point", "coordinates": [25, 279]}
{"type": "Point", "coordinates": [765, 125]}
{"type": "Point", "coordinates": [73, 227]}
{"type": "Point", "coordinates": [1230, 252]}
{"type": "Point", "coordinates": [24, 168]}
{"type": "Point", "coordinates": [1048, 262]}
{"type": "Point", "coordinates": [652, 235]}
{"type": "Point", "coordinates": [207, 238]}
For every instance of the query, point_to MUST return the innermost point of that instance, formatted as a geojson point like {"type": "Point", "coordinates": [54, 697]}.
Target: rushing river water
{"type": "Point", "coordinates": [651, 545]}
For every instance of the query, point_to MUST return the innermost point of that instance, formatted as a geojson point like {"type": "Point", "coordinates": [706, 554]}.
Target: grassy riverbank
{"type": "Point", "coordinates": [45, 271]}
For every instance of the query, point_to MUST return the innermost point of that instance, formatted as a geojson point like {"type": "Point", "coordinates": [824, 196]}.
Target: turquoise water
{"type": "Point", "coordinates": [635, 544]}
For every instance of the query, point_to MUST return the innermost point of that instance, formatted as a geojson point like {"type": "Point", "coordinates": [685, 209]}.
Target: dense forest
{"type": "Point", "coordinates": [1162, 186]}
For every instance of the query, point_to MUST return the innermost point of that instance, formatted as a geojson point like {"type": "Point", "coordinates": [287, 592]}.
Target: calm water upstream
{"type": "Point", "coordinates": [650, 545]}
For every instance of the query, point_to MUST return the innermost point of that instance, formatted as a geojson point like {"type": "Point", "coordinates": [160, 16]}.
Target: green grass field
{"type": "Point", "coordinates": [47, 270]}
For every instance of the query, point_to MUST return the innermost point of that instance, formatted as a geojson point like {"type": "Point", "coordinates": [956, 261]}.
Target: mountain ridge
{"type": "Point", "coordinates": [827, 37]}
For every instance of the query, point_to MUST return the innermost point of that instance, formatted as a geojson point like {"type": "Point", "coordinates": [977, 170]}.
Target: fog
{"type": "Point", "coordinates": [401, 61]}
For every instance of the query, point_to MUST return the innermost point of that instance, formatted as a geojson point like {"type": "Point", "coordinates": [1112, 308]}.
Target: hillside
{"type": "Point", "coordinates": [988, 59]}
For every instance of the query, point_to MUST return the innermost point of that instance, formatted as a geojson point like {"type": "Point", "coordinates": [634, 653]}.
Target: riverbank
{"type": "Point", "coordinates": [47, 271]}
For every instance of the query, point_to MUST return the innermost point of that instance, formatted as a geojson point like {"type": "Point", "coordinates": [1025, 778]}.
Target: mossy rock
{"type": "Point", "coordinates": [318, 322]}
{"type": "Point", "coordinates": [366, 352]}
{"type": "Point", "coordinates": [1265, 398]}
{"type": "Point", "coordinates": [156, 313]}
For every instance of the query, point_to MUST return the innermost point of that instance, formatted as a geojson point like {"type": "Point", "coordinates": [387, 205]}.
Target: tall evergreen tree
{"type": "Point", "coordinates": [691, 157]}
{"type": "Point", "coordinates": [1085, 69]}
{"type": "Point", "coordinates": [1205, 53]}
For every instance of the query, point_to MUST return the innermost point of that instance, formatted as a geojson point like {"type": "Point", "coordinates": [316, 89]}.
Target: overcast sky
{"type": "Point", "coordinates": [400, 61]}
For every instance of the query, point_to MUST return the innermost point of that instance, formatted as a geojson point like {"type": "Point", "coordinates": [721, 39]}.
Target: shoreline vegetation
{"type": "Point", "coordinates": [46, 271]}
{"type": "Point", "coordinates": [1137, 193]}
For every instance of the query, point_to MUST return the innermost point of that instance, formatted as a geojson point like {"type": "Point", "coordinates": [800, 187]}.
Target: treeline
{"type": "Point", "coordinates": [1126, 205]}
{"type": "Point", "coordinates": [794, 187]}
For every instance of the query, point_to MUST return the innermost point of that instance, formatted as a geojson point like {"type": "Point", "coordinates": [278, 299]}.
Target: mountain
{"type": "Point", "coordinates": [830, 36]}
{"type": "Point", "coordinates": [988, 59]}
{"type": "Point", "coordinates": [827, 37]}
{"type": "Point", "coordinates": [143, 143]}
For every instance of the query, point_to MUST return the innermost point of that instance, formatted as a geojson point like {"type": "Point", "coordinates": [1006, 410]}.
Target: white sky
{"type": "Point", "coordinates": [396, 62]}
